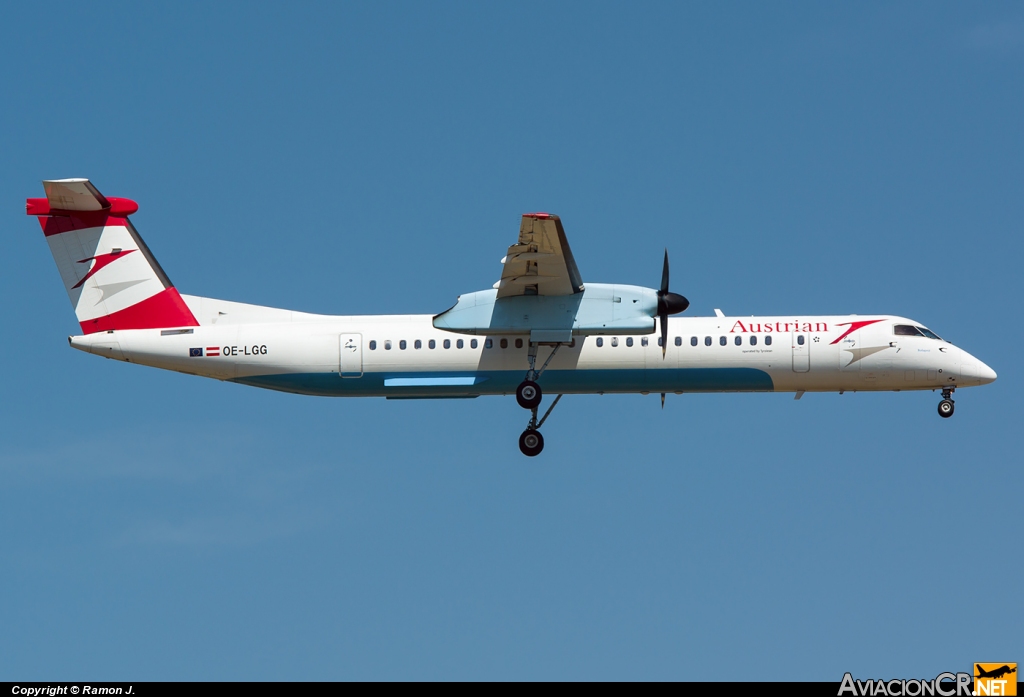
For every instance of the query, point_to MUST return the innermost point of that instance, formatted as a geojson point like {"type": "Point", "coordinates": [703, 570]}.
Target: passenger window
{"type": "Point", "coordinates": [753, 341]}
{"type": "Point", "coordinates": [707, 341]}
{"type": "Point", "coordinates": [402, 344]}
{"type": "Point", "coordinates": [447, 343]}
{"type": "Point", "coordinates": [488, 343]}
{"type": "Point", "coordinates": [615, 341]}
{"type": "Point", "coordinates": [693, 340]}
{"type": "Point", "coordinates": [600, 341]}
{"type": "Point", "coordinates": [387, 345]}
{"type": "Point", "coordinates": [504, 343]}
{"type": "Point", "coordinates": [519, 343]}
{"type": "Point", "coordinates": [722, 341]}
{"type": "Point", "coordinates": [432, 344]}
{"type": "Point", "coordinates": [629, 341]}
{"type": "Point", "coordinates": [738, 341]}
{"type": "Point", "coordinates": [800, 340]}
{"type": "Point", "coordinates": [373, 345]}
{"type": "Point", "coordinates": [906, 330]}
{"type": "Point", "coordinates": [472, 343]}
{"type": "Point", "coordinates": [460, 343]}
{"type": "Point", "coordinates": [679, 340]}
{"type": "Point", "coordinates": [767, 341]}
{"type": "Point", "coordinates": [418, 344]}
{"type": "Point", "coordinates": [643, 341]}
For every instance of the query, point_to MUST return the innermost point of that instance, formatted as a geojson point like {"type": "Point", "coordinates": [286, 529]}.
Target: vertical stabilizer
{"type": "Point", "coordinates": [112, 278]}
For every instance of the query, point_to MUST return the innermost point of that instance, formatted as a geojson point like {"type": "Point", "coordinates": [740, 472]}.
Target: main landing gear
{"type": "Point", "coordinates": [946, 405]}
{"type": "Point", "coordinates": [531, 442]}
{"type": "Point", "coordinates": [529, 395]}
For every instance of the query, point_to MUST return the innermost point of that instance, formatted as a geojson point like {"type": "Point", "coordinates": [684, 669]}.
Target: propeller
{"type": "Point", "coordinates": [668, 304]}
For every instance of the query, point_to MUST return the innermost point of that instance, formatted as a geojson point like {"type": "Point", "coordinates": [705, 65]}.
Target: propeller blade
{"type": "Point", "coordinates": [663, 319]}
{"type": "Point", "coordinates": [662, 400]}
{"type": "Point", "coordinates": [668, 304]}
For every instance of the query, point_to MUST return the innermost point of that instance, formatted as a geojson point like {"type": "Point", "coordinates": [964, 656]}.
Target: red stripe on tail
{"type": "Point", "coordinates": [165, 309]}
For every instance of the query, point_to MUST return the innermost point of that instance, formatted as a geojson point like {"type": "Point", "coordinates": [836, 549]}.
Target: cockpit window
{"type": "Point", "coordinates": [929, 333]}
{"type": "Point", "coordinates": [906, 330]}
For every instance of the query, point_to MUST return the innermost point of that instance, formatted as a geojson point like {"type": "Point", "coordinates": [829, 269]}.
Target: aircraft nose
{"type": "Point", "coordinates": [985, 374]}
{"type": "Point", "coordinates": [974, 372]}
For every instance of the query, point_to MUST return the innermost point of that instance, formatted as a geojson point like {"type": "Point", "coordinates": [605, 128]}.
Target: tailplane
{"type": "Point", "coordinates": [112, 278]}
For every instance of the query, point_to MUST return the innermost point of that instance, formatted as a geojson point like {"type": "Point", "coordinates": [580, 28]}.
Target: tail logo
{"type": "Point", "coordinates": [101, 260]}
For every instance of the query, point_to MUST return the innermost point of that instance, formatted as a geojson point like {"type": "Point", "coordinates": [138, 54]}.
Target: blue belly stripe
{"type": "Point", "coordinates": [459, 384]}
{"type": "Point", "coordinates": [432, 381]}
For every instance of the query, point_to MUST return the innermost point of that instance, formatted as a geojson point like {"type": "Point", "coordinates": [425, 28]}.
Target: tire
{"type": "Point", "coordinates": [946, 408]}
{"type": "Point", "coordinates": [531, 442]}
{"type": "Point", "coordinates": [528, 394]}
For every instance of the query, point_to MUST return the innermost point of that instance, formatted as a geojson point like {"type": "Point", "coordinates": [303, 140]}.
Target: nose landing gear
{"type": "Point", "coordinates": [946, 405]}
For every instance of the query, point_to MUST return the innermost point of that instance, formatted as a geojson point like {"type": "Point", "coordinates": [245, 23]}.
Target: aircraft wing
{"type": "Point", "coordinates": [541, 262]}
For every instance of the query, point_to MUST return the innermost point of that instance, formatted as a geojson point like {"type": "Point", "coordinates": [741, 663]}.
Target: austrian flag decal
{"type": "Point", "coordinates": [213, 350]}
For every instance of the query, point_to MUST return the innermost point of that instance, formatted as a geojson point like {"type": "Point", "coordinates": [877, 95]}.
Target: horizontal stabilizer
{"type": "Point", "coordinates": [74, 195]}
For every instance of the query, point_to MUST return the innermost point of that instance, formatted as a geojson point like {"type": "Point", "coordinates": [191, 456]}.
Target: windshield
{"type": "Point", "coordinates": [911, 330]}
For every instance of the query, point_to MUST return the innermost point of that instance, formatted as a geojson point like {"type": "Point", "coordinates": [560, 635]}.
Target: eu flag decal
{"type": "Point", "coordinates": [192, 353]}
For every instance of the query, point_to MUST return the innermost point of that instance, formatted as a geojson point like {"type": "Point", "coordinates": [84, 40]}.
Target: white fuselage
{"type": "Point", "coordinates": [405, 356]}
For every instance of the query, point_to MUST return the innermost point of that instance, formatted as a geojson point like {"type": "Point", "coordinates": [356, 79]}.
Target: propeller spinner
{"type": "Point", "coordinates": [668, 304]}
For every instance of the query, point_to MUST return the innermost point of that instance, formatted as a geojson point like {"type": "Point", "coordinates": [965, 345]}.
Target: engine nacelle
{"type": "Point", "coordinates": [600, 309]}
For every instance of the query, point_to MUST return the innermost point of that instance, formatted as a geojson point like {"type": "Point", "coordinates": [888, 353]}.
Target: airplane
{"type": "Point", "coordinates": [539, 329]}
{"type": "Point", "coordinates": [996, 673]}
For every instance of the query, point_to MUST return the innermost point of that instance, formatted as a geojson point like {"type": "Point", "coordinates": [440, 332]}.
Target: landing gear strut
{"type": "Point", "coordinates": [531, 442]}
{"type": "Point", "coordinates": [529, 394]}
{"type": "Point", "coordinates": [946, 405]}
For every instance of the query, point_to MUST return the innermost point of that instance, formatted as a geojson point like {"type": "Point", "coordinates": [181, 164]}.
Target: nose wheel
{"type": "Point", "coordinates": [946, 405]}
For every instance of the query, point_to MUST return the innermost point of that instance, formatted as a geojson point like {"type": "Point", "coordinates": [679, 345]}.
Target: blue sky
{"type": "Point", "coordinates": [374, 158]}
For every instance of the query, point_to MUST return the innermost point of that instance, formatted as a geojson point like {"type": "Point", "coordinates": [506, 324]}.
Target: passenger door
{"type": "Point", "coordinates": [801, 352]}
{"type": "Point", "coordinates": [351, 362]}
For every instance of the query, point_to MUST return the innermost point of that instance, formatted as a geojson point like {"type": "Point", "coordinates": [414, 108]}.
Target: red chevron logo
{"type": "Point", "coordinates": [854, 326]}
{"type": "Point", "coordinates": [101, 261]}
